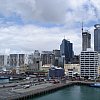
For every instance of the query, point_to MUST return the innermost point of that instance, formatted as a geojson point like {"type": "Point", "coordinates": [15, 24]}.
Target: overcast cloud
{"type": "Point", "coordinates": [63, 16]}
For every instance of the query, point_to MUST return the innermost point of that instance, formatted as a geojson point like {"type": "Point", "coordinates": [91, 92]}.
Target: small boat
{"type": "Point", "coordinates": [95, 85]}
{"type": "Point", "coordinates": [26, 86]}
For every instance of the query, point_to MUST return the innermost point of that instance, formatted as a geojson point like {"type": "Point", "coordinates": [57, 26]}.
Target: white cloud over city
{"type": "Point", "coordinates": [64, 16]}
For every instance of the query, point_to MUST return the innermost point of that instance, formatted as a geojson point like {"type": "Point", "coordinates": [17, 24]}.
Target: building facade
{"type": "Point", "coordinates": [57, 58]}
{"type": "Point", "coordinates": [36, 54]}
{"type": "Point", "coordinates": [17, 60]}
{"type": "Point", "coordinates": [86, 40]}
{"type": "Point", "coordinates": [72, 69]}
{"type": "Point", "coordinates": [55, 72]}
{"type": "Point", "coordinates": [34, 62]}
{"type": "Point", "coordinates": [66, 51]}
{"type": "Point", "coordinates": [76, 59]}
{"type": "Point", "coordinates": [99, 64]}
{"type": "Point", "coordinates": [97, 38]}
{"type": "Point", "coordinates": [47, 57]}
{"type": "Point", "coordinates": [3, 60]}
{"type": "Point", "coordinates": [89, 64]}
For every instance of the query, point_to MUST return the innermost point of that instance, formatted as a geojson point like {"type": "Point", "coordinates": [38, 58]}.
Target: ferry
{"type": "Point", "coordinates": [95, 85]}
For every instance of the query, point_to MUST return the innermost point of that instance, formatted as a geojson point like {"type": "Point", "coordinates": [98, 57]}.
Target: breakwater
{"type": "Point", "coordinates": [24, 94]}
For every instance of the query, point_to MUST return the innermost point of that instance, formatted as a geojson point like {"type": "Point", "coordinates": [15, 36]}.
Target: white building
{"type": "Point", "coordinates": [89, 63]}
{"type": "Point", "coordinates": [72, 69]}
{"type": "Point", "coordinates": [99, 64]}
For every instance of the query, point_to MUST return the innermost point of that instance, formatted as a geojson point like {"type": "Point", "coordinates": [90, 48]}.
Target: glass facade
{"type": "Point", "coordinates": [97, 39]}
{"type": "Point", "coordinates": [66, 50]}
{"type": "Point", "coordinates": [86, 41]}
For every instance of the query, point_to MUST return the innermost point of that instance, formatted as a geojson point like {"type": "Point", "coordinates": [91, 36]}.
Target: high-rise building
{"type": "Point", "coordinates": [66, 50]}
{"type": "Point", "coordinates": [89, 64]}
{"type": "Point", "coordinates": [16, 60]}
{"type": "Point", "coordinates": [47, 57]}
{"type": "Point", "coordinates": [86, 40]}
{"type": "Point", "coordinates": [3, 60]}
{"type": "Point", "coordinates": [97, 38]}
{"type": "Point", "coordinates": [57, 58]}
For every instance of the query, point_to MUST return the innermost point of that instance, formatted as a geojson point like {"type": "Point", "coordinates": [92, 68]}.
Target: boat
{"type": "Point", "coordinates": [26, 86]}
{"type": "Point", "coordinates": [95, 85]}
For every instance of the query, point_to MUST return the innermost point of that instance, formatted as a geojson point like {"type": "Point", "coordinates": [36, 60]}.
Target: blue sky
{"type": "Point", "coordinates": [26, 25]}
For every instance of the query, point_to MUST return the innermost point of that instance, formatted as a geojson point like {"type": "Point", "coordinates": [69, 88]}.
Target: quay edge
{"type": "Point", "coordinates": [47, 90]}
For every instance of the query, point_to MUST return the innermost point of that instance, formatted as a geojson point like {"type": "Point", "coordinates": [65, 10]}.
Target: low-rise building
{"type": "Point", "coordinates": [72, 69]}
{"type": "Point", "coordinates": [46, 67]}
{"type": "Point", "coordinates": [56, 72]}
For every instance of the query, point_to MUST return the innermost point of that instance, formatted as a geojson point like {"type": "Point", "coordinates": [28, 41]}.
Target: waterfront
{"type": "Point", "coordinates": [20, 91]}
{"type": "Point", "coordinates": [72, 93]}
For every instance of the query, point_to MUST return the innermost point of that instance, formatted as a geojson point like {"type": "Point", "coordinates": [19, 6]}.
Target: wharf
{"type": "Point", "coordinates": [20, 93]}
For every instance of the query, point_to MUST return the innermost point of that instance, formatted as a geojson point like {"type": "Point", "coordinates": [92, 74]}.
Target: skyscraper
{"type": "Point", "coordinates": [47, 57]}
{"type": "Point", "coordinates": [97, 37]}
{"type": "Point", "coordinates": [66, 50]}
{"type": "Point", "coordinates": [86, 40]}
{"type": "Point", "coordinates": [89, 63]}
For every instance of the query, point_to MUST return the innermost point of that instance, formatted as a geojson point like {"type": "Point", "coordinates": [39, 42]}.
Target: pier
{"type": "Point", "coordinates": [21, 93]}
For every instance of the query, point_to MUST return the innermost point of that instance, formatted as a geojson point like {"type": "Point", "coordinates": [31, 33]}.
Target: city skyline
{"type": "Point", "coordinates": [25, 22]}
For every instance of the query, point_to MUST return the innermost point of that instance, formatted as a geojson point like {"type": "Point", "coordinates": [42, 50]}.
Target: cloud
{"type": "Point", "coordinates": [51, 11]}
{"type": "Point", "coordinates": [40, 10]}
{"type": "Point", "coordinates": [29, 37]}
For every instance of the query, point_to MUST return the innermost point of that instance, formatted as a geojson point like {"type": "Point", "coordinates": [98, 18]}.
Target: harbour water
{"type": "Point", "coordinates": [72, 93]}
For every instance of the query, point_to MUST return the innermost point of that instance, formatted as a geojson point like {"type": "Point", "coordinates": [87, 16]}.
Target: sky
{"type": "Point", "coordinates": [28, 25]}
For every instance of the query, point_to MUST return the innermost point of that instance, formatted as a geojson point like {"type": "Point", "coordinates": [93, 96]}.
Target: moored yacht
{"type": "Point", "coordinates": [95, 85]}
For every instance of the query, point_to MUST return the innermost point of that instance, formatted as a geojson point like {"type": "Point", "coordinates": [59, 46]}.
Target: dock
{"type": "Point", "coordinates": [20, 93]}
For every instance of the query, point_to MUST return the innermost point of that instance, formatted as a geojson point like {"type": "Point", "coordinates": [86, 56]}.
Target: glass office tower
{"type": "Point", "coordinates": [97, 38]}
{"type": "Point", "coordinates": [86, 40]}
{"type": "Point", "coordinates": [66, 50]}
